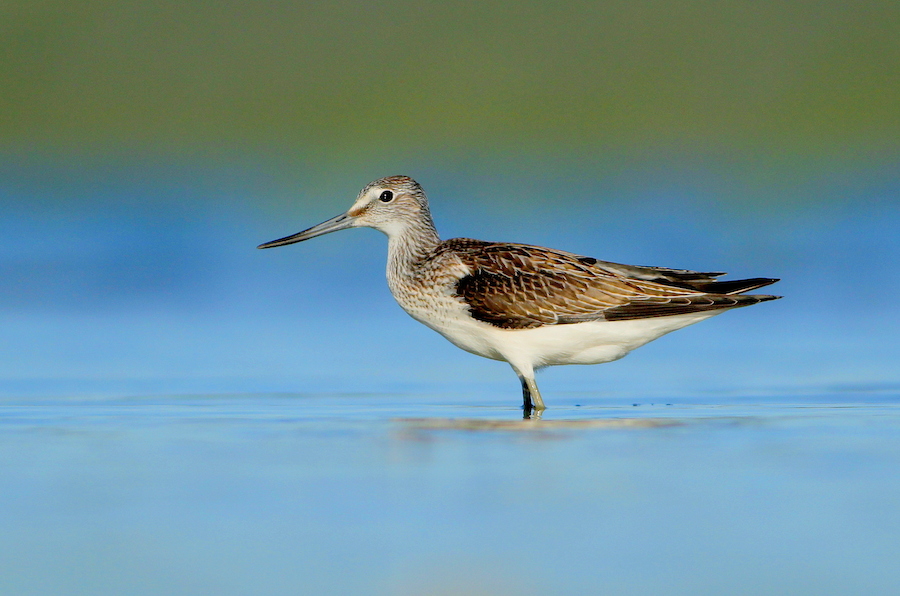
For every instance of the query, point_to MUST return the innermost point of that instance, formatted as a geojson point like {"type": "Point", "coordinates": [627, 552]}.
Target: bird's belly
{"type": "Point", "coordinates": [462, 331]}
{"type": "Point", "coordinates": [551, 345]}
{"type": "Point", "coordinates": [589, 343]}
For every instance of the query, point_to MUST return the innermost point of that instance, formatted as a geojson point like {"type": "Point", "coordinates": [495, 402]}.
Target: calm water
{"type": "Point", "coordinates": [415, 494]}
{"type": "Point", "coordinates": [183, 414]}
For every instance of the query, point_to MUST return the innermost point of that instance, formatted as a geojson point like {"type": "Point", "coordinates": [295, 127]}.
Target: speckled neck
{"type": "Point", "coordinates": [411, 246]}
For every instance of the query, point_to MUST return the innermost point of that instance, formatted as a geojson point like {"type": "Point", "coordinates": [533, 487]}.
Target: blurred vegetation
{"type": "Point", "coordinates": [409, 75]}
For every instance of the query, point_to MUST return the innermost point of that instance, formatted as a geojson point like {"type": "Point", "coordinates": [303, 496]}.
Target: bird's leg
{"type": "Point", "coordinates": [526, 397]}
{"type": "Point", "coordinates": [532, 403]}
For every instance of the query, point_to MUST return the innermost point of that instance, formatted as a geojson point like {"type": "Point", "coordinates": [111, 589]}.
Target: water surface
{"type": "Point", "coordinates": [450, 494]}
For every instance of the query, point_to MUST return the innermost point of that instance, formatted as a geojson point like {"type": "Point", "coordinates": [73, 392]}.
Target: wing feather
{"type": "Point", "coordinates": [517, 286]}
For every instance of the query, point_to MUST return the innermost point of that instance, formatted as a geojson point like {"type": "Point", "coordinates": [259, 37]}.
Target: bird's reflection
{"type": "Point", "coordinates": [534, 422]}
{"type": "Point", "coordinates": [529, 412]}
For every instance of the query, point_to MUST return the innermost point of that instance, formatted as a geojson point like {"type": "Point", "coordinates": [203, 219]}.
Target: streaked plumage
{"type": "Point", "coordinates": [527, 305]}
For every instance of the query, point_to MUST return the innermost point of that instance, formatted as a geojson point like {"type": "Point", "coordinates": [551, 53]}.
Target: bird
{"type": "Point", "coordinates": [529, 306]}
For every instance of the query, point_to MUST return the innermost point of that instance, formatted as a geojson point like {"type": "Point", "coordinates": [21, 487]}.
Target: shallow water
{"type": "Point", "coordinates": [449, 494]}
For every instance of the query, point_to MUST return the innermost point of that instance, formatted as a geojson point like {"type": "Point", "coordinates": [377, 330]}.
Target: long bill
{"type": "Point", "coordinates": [340, 222]}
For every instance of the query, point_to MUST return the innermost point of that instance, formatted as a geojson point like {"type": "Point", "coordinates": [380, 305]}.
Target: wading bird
{"type": "Point", "coordinates": [527, 305]}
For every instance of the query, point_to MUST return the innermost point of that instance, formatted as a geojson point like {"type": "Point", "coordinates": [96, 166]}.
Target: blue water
{"type": "Point", "coordinates": [338, 494]}
{"type": "Point", "coordinates": [181, 413]}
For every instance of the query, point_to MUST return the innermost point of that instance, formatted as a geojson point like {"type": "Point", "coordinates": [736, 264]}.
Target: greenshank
{"type": "Point", "coordinates": [527, 305]}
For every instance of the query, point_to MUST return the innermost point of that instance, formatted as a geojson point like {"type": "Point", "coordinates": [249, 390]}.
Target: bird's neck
{"type": "Point", "coordinates": [410, 246]}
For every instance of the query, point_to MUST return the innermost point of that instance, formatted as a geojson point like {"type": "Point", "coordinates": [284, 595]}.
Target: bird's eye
{"type": "Point", "coordinates": [386, 197]}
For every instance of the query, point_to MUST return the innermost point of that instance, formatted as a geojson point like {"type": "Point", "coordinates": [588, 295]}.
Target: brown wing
{"type": "Point", "coordinates": [516, 286]}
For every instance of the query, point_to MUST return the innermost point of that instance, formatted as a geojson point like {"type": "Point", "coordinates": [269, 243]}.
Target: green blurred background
{"type": "Point", "coordinates": [330, 82]}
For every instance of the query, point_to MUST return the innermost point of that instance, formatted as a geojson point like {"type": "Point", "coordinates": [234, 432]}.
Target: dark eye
{"type": "Point", "coordinates": [386, 197]}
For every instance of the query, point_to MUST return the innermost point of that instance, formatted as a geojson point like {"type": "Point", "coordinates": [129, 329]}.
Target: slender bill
{"type": "Point", "coordinates": [341, 222]}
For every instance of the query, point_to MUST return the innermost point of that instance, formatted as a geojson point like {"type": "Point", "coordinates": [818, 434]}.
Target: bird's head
{"type": "Point", "coordinates": [392, 205]}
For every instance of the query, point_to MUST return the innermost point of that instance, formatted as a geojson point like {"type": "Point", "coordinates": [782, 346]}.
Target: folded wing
{"type": "Point", "coordinates": [517, 286]}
